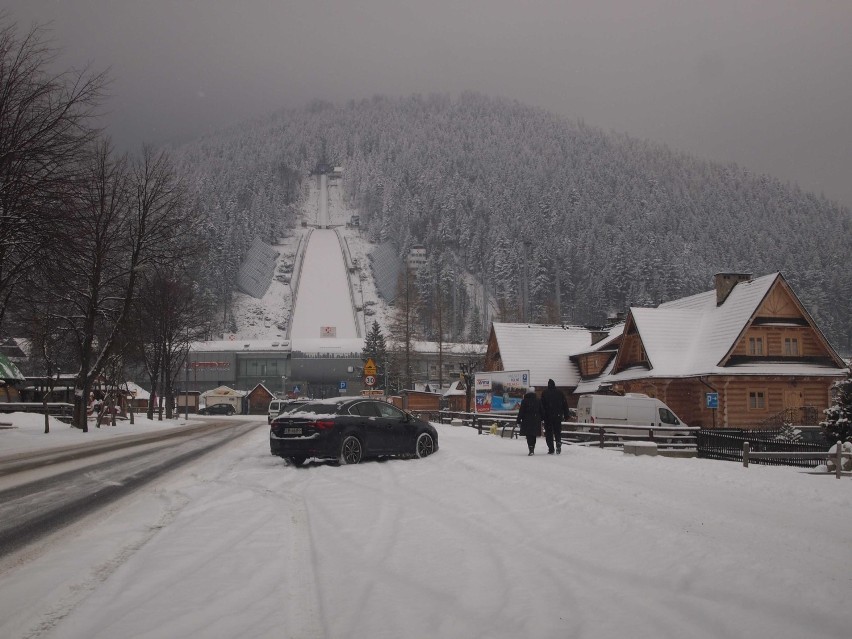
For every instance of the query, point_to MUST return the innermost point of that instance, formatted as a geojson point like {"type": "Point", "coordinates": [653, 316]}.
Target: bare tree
{"type": "Point", "coordinates": [170, 315]}
{"type": "Point", "coordinates": [46, 121]}
{"type": "Point", "coordinates": [121, 220]}
{"type": "Point", "coordinates": [403, 323]}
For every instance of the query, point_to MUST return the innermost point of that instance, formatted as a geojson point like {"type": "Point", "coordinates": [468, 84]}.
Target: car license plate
{"type": "Point", "coordinates": [292, 431]}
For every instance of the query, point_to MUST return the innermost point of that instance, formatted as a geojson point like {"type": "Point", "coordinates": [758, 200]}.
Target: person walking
{"type": "Point", "coordinates": [554, 408]}
{"type": "Point", "coordinates": [529, 418]}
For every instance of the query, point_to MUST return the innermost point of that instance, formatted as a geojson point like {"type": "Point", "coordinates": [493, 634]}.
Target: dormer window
{"type": "Point", "coordinates": [755, 346]}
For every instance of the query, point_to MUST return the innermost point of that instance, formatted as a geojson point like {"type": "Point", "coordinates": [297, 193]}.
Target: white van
{"type": "Point", "coordinates": [633, 409]}
{"type": "Point", "coordinates": [275, 407]}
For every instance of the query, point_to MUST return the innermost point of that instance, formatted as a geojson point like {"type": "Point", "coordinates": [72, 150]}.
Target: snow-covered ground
{"type": "Point", "coordinates": [27, 431]}
{"type": "Point", "coordinates": [478, 540]}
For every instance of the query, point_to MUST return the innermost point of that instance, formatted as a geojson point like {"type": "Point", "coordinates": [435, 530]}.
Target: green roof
{"type": "Point", "coordinates": [8, 370]}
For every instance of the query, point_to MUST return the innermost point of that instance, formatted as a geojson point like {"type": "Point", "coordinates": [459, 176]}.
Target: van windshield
{"type": "Point", "coordinates": [668, 417]}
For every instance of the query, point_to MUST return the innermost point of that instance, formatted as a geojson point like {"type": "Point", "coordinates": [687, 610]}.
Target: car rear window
{"type": "Point", "coordinates": [317, 409]}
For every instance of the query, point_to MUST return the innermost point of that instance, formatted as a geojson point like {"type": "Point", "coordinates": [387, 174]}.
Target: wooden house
{"type": "Point", "coordinates": [745, 354]}
{"type": "Point", "coordinates": [134, 398]}
{"type": "Point", "coordinates": [258, 400]}
{"type": "Point", "coordinates": [455, 397]}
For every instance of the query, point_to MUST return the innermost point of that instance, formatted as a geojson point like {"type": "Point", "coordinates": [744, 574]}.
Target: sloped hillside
{"type": "Point", "coordinates": [593, 221]}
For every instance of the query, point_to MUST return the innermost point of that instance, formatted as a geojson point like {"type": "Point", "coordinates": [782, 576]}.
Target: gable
{"type": "Point", "coordinates": [780, 304]}
{"type": "Point", "coordinates": [780, 317]}
{"type": "Point", "coordinates": [632, 350]}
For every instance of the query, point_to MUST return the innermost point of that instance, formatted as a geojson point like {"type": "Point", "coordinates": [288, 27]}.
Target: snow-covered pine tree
{"type": "Point", "coordinates": [838, 417]}
{"type": "Point", "coordinates": [375, 348]}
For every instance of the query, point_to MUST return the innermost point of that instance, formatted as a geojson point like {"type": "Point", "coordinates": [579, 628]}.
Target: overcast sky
{"type": "Point", "coordinates": [764, 83]}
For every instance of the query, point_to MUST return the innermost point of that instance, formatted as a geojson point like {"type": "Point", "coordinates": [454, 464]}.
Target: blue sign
{"type": "Point", "coordinates": [297, 390]}
{"type": "Point", "coordinates": [342, 386]}
{"type": "Point", "coordinates": [712, 400]}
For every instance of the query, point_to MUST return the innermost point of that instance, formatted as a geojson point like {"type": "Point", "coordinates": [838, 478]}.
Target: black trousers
{"type": "Point", "coordinates": [531, 441]}
{"type": "Point", "coordinates": [553, 432]}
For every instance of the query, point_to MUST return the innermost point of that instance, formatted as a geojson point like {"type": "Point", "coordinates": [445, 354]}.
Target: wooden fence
{"type": "Point", "coordinates": [671, 438]}
{"type": "Point", "coordinates": [838, 456]}
{"type": "Point", "coordinates": [728, 445]}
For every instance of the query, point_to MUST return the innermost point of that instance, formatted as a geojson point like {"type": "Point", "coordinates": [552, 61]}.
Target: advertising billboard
{"type": "Point", "coordinates": [500, 391]}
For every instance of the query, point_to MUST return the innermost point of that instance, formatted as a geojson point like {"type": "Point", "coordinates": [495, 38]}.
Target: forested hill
{"type": "Point", "coordinates": [611, 221]}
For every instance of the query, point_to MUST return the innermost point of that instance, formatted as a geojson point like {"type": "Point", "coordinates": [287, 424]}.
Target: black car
{"type": "Point", "coordinates": [217, 409]}
{"type": "Point", "coordinates": [349, 429]}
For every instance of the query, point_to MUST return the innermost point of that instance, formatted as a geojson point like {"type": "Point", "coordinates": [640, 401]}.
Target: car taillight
{"type": "Point", "coordinates": [323, 424]}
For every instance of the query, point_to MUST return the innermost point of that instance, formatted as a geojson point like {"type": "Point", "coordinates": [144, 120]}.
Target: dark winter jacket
{"type": "Point", "coordinates": [554, 406]}
{"type": "Point", "coordinates": [530, 415]}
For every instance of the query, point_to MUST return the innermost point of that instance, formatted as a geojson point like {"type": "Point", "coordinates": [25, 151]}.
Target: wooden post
{"type": "Point", "coordinates": [602, 437]}
{"type": "Point", "coordinates": [839, 459]}
{"type": "Point", "coordinates": [745, 454]}
{"type": "Point", "coordinates": [477, 424]}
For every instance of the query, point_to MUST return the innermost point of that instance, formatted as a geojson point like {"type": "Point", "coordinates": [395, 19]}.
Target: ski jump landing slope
{"type": "Point", "coordinates": [323, 298]}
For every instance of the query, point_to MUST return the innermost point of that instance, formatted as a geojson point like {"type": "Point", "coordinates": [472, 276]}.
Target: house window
{"type": "Point", "coordinates": [755, 346]}
{"type": "Point", "coordinates": [791, 346]}
{"type": "Point", "coordinates": [757, 400]}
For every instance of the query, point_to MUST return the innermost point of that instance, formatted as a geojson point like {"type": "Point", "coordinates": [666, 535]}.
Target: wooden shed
{"type": "Point", "coordinates": [420, 400]}
{"type": "Point", "coordinates": [258, 400]}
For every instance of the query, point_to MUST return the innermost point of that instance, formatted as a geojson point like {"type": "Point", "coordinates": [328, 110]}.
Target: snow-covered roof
{"type": "Point", "coordinates": [329, 346]}
{"type": "Point", "coordinates": [452, 348]}
{"type": "Point", "coordinates": [263, 386]}
{"type": "Point", "coordinates": [542, 349]}
{"type": "Point", "coordinates": [223, 391]}
{"type": "Point", "coordinates": [227, 346]}
{"type": "Point", "coordinates": [692, 336]}
{"type": "Point", "coordinates": [137, 391]}
{"type": "Point", "coordinates": [456, 389]}
{"type": "Point", "coordinates": [711, 330]}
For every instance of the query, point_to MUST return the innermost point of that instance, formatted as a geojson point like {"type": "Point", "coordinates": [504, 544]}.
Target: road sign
{"type": "Point", "coordinates": [297, 389]}
{"type": "Point", "coordinates": [342, 386]}
{"type": "Point", "coordinates": [712, 400]}
{"type": "Point", "coordinates": [369, 380]}
{"type": "Point", "coordinates": [370, 367]}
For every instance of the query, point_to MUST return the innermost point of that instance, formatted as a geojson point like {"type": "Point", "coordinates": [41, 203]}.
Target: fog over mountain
{"type": "Point", "coordinates": [763, 84]}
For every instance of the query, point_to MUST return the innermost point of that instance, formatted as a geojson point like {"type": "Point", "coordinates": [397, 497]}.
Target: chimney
{"type": "Point", "coordinates": [598, 335]}
{"type": "Point", "coordinates": [724, 283]}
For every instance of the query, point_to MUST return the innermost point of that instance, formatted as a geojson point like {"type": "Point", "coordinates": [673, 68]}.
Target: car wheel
{"type": "Point", "coordinates": [296, 461]}
{"type": "Point", "coordinates": [425, 445]}
{"type": "Point", "coordinates": [350, 450]}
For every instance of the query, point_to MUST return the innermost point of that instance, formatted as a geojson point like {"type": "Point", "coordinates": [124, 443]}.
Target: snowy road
{"type": "Point", "coordinates": [61, 487]}
{"type": "Point", "coordinates": [478, 540]}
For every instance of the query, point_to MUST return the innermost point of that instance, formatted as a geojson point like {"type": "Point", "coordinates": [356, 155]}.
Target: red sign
{"type": "Point", "coordinates": [369, 380]}
{"type": "Point", "coordinates": [209, 364]}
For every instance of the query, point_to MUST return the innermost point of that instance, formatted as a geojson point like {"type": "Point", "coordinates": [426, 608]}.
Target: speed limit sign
{"type": "Point", "coordinates": [369, 380]}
